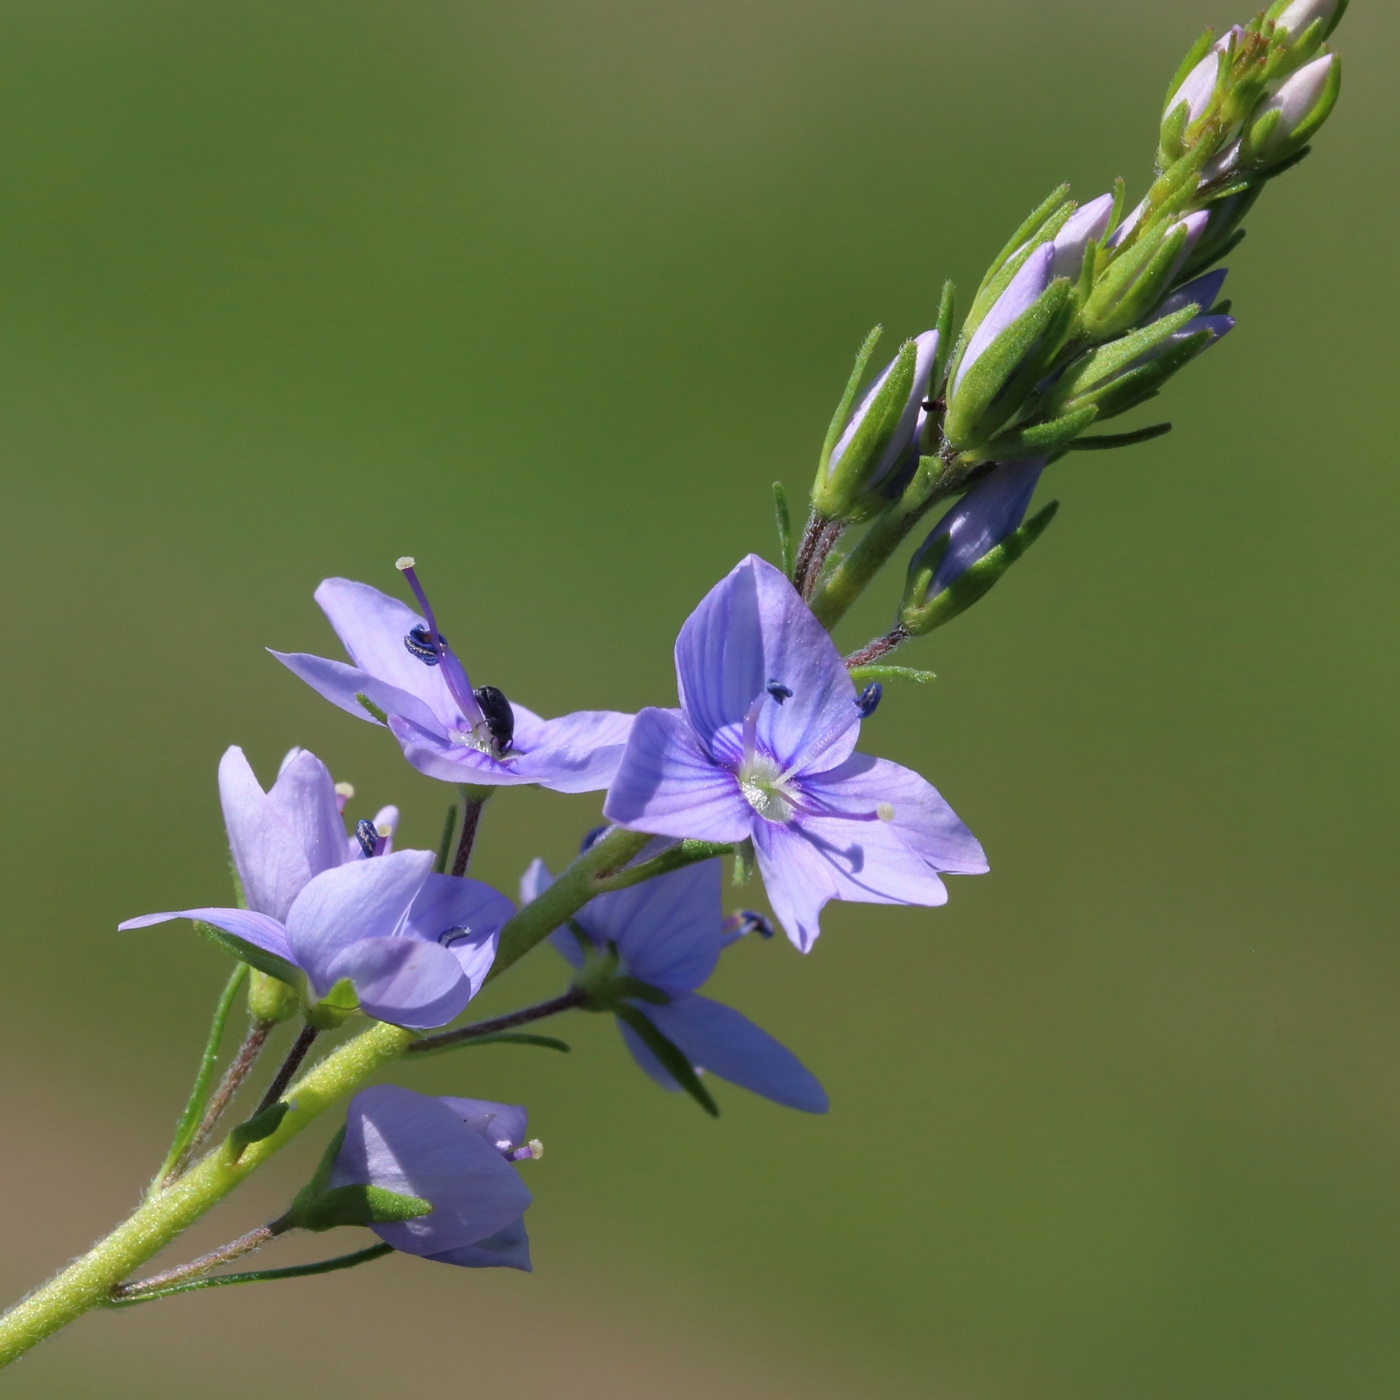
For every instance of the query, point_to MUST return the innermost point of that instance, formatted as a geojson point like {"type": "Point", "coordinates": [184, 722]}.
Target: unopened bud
{"type": "Point", "coordinates": [1283, 124]}
{"type": "Point", "coordinates": [1298, 16]}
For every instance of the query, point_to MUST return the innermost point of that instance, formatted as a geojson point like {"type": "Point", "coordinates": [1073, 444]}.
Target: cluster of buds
{"type": "Point", "coordinates": [1084, 315]}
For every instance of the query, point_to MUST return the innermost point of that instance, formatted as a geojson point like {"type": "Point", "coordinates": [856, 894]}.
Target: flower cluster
{"type": "Point", "coordinates": [1083, 316]}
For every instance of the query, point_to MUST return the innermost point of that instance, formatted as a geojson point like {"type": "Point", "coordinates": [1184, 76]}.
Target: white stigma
{"type": "Point", "coordinates": [405, 561]}
{"type": "Point", "coordinates": [885, 811]}
{"type": "Point", "coordinates": [536, 1148]}
{"type": "Point", "coordinates": [345, 790]}
{"type": "Point", "coordinates": [384, 830]}
{"type": "Point", "coordinates": [763, 788]}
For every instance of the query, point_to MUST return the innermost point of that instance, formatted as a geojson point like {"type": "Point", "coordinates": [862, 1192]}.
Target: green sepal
{"type": "Point", "coordinates": [374, 711]}
{"type": "Point", "coordinates": [1132, 286]}
{"type": "Point", "coordinates": [990, 392]}
{"type": "Point", "coordinates": [259, 959]}
{"type": "Point", "coordinates": [835, 492]}
{"type": "Point", "coordinates": [1040, 439]}
{"type": "Point", "coordinates": [843, 408]}
{"type": "Point", "coordinates": [1256, 149]}
{"type": "Point", "coordinates": [340, 1002]}
{"type": "Point", "coordinates": [1034, 223]}
{"type": "Point", "coordinates": [354, 1205]}
{"type": "Point", "coordinates": [947, 306]}
{"type": "Point", "coordinates": [261, 1125]}
{"type": "Point", "coordinates": [969, 586]}
{"type": "Point", "coordinates": [1103, 442]}
{"type": "Point", "coordinates": [1096, 378]}
{"type": "Point", "coordinates": [745, 862]}
{"type": "Point", "coordinates": [670, 1057]}
{"type": "Point", "coordinates": [784, 522]}
{"type": "Point", "coordinates": [863, 675]}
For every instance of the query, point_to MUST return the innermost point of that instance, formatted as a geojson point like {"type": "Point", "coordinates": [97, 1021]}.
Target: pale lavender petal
{"type": "Point", "coordinates": [1086, 225]}
{"type": "Point", "coordinates": [1031, 279]}
{"type": "Point", "coordinates": [717, 1038]}
{"type": "Point", "coordinates": [668, 785]}
{"type": "Point", "coordinates": [372, 627]}
{"type": "Point", "coordinates": [463, 916]}
{"type": "Point", "coordinates": [258, 929]}
{"type": "Point", "coordinates": [340, 684]}
{"type": "Point", "coordinates": [1198, 86]}
{"type": "Point", "coordinates": [404, 981]}
{"type": "Point", "coordinates": [911, 808]}
{"type": "Point", "coordinates": [281, 839]}
{"type": "Point", "coordinates": [582, 729]}
{"type": "Point", "coordinates": [508, 1248]}
{"type": "Point", "coordinates": [417, 1146]}
{"type": "Point", "coordinates": [364, 899]}
{"type": "Point", "coordinates": [431, 752]}
{"type": "Point", "coordinates": [752, 629]}
{"type": "Point", "coordinates": [535, 881]}
{"type": "Point", "coordinates": [667, 929]}
{"type": "Point", "coordinates": [503, 1125]}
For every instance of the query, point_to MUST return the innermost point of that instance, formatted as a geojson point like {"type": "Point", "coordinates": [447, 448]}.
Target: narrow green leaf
{"type": "Point", "coordinates": [843, 409]}
{"type": "Point", "coordinates": [544, 1042]}
{"type": "Point", "coordinates": [250, 953]}
{"type": "Point", "coordinates": [672, 1060]}
{"type": "Point", "coordinates": [1040, 439]}
{"type": "Point", "coordinates": [784, 519]}
{"type": "Point", "coordinates": [355, 1205]}
{"type": "Point", "coordinates": [259, 1126]}
{"type": "Point", "coordinates": [449, 828]}
{"type": "Point", "coordinates": [374, 710]}
{"type": "Point", "coordinates": [1103, 442]}
{"type": "Point", "coordinates": [863, 675]}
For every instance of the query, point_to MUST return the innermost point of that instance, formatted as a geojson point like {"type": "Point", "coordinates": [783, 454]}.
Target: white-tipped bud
{"type": "Point", "coordinates": [1299, 16]}
{"type": "Point", "coordinates": [1285, 123]}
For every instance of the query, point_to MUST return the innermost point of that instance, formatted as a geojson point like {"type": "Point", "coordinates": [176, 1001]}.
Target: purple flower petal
{"type": "Point", "coordinates": [982, 519]}
{"type": "Point", "coordinates": [503, 1125]}
{"type": "Point", "coordinates": [717, 1038]}
{"type": "Point", "coordinates": [508, 1248]}
{"type": "Point", "coordinates": [280, 839]}
{"type": "Point", "coordinates": [341, 684]}
{"type": "Point", "coordinates": [463, 916]}
{"type": "Point", "coordinates": [404, 981]}
{"type": "Point", "coordinates": [668, 785]}
{"type": "Point", "coordinates": [364, 899]}
{"type": "Point", "coordinates": [258, 929]}
{"type": "Point", "coordinates": [417, 1146]}
{"type": "Point", "coordinates": [1031, 279]}
{"type": "Point", "coordinates": [431, 752]}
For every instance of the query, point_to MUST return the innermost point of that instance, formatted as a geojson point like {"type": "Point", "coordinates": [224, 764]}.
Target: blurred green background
{"type": "Point", "coordinates": [547, 295]}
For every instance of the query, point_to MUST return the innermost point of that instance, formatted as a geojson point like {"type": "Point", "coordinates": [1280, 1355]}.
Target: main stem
{"type": "Point", "coordinates": [89, 1280]}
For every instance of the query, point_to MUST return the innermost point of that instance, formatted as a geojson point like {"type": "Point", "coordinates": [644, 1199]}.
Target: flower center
{"type": "Point", "coordinates": [761, 782]}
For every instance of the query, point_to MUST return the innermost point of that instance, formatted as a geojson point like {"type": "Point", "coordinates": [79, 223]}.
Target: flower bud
{"type": "Point", "coordinates": [880, 432]}
{"type": "Point", "coordinates": [1298, 16]}
{"type": "Point", "coordinates": [1086, 225]}
{"type": "Point", "coordinates": [1284, 123]}
{"type": "Point", "coordinates": [1197, 88]}
{"type": "Point", "coordinates": [972, 546]}
{"type": "Point", "coordinates": [1136, 280]}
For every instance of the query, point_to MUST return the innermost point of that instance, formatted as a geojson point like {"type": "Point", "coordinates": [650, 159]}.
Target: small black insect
{"type": "Point", "coordinates": [367, 834]}
{"type": "Point", "coordinates": [869, 698]}
{"type": "Point", "coordinates": [500, 718]}
{"type": "Point", "coordinates": [420, 644]}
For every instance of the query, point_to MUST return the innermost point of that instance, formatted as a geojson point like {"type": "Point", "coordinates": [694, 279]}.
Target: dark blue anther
{"type": "Point", "coordinates": [778, 691]}
{"type": "Point", "coordinates": [869, 698]}
{"type": "Point", "coordinates": [754, 922]}
{"type": "Point", "coordinates": [592, 836]}
{"type": "Point", "coordinates": [420, 644]}
{"type": "Point", "coordinates": [367, 834]}
{"type": "Point", "coordinates": [449, 936]}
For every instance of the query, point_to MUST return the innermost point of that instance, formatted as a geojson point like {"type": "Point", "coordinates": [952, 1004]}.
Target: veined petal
{"type": "Point", "coordinates": [404, 981]}
{"type": "Point", "coordinates": [668, 785]}
{"type": "Point", "coordinates": [464, 917]}
{"type": "Point", "coordinates": [258, 929]}
{"type": "Point", "coordinates": [430, 751]}
{"type": "Point", "coordinates": [577, 752]}
{"type": "Point", "coordinates": [752, 629]}
{"type": "Point", "coordinates": [341, 684]}
{"type": "Point", "coordinates": [417, 1146]}
{"type": "Point", "coordinates": [667, 929]}
{"type": "Point", "coordinates": [503, 1125]}
{"type": "Point", "coordinates": [372, 626]}
{"type": "Point", "coordinates": [719, 1039]}
{"type": "Point", "coordinates": [280, 839]}
{"type": "Point", "coordinates": [916, 812]}
{"type": "Point", "coordinates": [364, 899]}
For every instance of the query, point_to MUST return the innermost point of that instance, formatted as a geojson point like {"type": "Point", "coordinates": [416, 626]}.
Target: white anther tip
{"type": "Point", "coordinates": [405, 561]}
{"type": "Point", "coordinates": [536, 1148]}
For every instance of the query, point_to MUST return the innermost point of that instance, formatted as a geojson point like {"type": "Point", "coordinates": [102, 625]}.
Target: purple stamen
{"type": "Point", "coordinates": [453, 672]}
